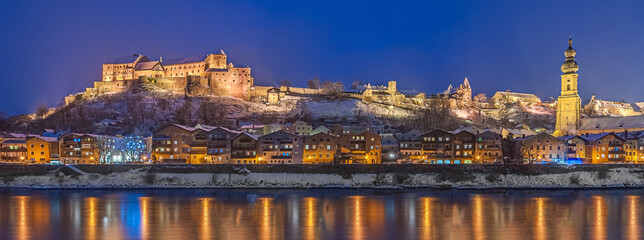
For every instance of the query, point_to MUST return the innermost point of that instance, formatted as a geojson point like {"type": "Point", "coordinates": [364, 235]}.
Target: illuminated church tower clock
{"type": "Point", "coordinates": [568, 104]}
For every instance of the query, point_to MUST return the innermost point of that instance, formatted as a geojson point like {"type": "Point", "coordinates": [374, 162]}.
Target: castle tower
{"type": "Point", "coordinates": [391, 87]}
{"type": "Point", "coordinates": [217, 60]}
{"type": "Point", "coordinates": [569, 103]}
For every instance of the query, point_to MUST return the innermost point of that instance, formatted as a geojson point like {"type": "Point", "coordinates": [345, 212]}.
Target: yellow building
{"type": "Point", "coordinates": [569, 103]}
{"type": "Point", "coordinates": [42, 149]}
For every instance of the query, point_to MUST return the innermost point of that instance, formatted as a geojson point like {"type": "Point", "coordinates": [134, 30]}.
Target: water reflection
{"type": "Point", "coordinates": [321, 214]}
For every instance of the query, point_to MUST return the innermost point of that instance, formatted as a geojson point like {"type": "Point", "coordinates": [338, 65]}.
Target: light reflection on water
{"type": "Point", "coordinates": [320, 214]}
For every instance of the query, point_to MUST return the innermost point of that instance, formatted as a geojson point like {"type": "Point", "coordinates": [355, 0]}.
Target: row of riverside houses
{"type": "Point", "coordinates": [597, 148]}
{"type": "Point", "coordinates": [301, 143]}
{"type": "Point", "coordinates": [72, 148]}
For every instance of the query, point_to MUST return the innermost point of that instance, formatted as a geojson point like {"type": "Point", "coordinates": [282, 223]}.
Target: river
{"type": "Point", "coordinates": [320, 214]}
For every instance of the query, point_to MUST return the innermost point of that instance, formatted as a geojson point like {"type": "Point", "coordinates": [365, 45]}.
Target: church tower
{"type": "Point", "coordinates": [568, 103]}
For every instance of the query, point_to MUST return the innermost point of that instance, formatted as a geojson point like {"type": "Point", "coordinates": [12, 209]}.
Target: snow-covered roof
{"type": "Point", "coordinates": [14, 141]}
{"type": "Point", "coordinates": [612, 123]}
{"type": "Point", "coordinates": [638, 106]}
{"type": "Point", "coordinates": [597, 136]}
{"type": "Point", "coordinates": [409, 92]}
{"type": "Point", "coordinates": [518, 95]}
{"type": "Point", "coordinates": [124, 59]}
{"type": "Point", "coordinates": [252, 126]}
{"type": "Point", "coordinates": [611, 104]}
{"type": "Point", "coordinates": [46, 139]}
{"type": "Point", "coordinates": [253, 136]}
{"type": "Point", "coordinates": [175, 61]}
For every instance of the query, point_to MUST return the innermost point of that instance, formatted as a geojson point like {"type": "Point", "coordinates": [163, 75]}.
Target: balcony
{"type": "Point", "coordinates": [244, 148]}
{"type": "Point", "coordinates": [217, 146]}
{"type": "Point", "coordinates": [242, 156]}
{"type": "Point", "coordinates": [616, 152]}
{"type": "Point", "coordinates": [281, 157]}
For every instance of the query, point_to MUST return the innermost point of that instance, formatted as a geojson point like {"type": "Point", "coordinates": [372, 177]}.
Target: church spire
{"type": "Point", "coordinates": [570, 65]}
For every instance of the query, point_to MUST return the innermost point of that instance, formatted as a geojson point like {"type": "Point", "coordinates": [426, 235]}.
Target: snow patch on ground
{"type": "Point", "coordinates": [618, 177]}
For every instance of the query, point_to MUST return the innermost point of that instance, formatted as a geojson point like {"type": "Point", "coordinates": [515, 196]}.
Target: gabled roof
{"type": "Point", "coordinates": [597, 136]}
{"type": "Point", "coordinates": [569, 137]}
{"type": "Point", "coordinates": [253, 136]}
{"type": "Point", "coordinates": [174, 61]}
{"type": "Point", "coordinates": [226, 129]}
{"type": "Point", "coordinates": [142, 66]}
{"type": "Point", "coordinates": [436, 131]}
{"type": "Point", "coordinates": [280, 132]}
{"type": "Point", "coordinates": [46, 139]}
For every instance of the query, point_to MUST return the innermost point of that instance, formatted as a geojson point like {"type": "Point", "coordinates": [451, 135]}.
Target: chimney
{"type": "Point", "coordinates": [161, 59]}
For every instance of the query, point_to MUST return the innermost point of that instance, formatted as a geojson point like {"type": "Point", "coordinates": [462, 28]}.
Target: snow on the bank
{"type": "Point", "coordinates": [619, 177]}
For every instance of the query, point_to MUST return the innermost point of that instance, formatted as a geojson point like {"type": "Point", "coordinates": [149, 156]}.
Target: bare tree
{"type": "Point", "coordinates": [41, 110]}
{"type": "Point", "coordinates": [356, 84]}
{"type": "Point", "coordinates": [313, 83]}
{"type": "Point", "coordinates": [529, 152]}
{"type": "Point", "coordinates": [437, 115]}
{"type": "Point", "coordinates": [332, 89]}
{"type": "Point", "coordinates": [103, 147]}
{"type": "Point", "coordinates": [286, 83]}
{"type": "Point", "coordinates": [134, 148]}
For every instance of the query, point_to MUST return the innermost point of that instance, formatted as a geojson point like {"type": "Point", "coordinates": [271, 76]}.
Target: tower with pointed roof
{"type": "Point", "coordinates": [568, 116]}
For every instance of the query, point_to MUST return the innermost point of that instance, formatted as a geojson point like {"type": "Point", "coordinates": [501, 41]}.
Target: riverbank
{"type": "Point", "coordinates": [322, 176]}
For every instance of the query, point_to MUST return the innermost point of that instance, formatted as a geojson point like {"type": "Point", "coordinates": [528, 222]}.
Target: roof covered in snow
{"type": "Point", "coordinates": [612, 123]}
{"type": "Point", "coordinates": [145, 65]}
{"type": "Point", "coordinates": [174, 61]}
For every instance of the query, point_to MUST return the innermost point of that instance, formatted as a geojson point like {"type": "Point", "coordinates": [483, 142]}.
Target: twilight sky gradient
{"type": "Point", "coordinates": [49, 49]}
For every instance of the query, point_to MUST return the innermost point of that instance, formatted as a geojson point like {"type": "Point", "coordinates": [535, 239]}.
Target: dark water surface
{"type": "Point", "coordinates": [314, 214]}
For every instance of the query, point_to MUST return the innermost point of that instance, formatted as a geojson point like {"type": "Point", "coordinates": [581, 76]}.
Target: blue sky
{"type": "Point", "coordinates": [49, 49]}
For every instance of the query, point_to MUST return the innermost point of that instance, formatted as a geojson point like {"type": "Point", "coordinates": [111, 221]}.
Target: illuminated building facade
{"type": "Point", "coordinates": [42, 149]}
{"type": "Point", "coordinates": [363, 148]}
{"type": "Point", "coordinates": [280, 147]}
{"type": "Point", "coordinates": [243, 149]}
{"type": "Point", "coordinates": [320, 148]}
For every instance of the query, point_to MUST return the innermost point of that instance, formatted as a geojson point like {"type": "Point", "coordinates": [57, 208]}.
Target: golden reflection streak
{"type": "Point", "coordinates": [633, 217]}
{"type": "Point", "coordinates": [145, 221]}
{"type": "Point", "coordinates": [23, 229]}
{"type": "Point", "coordinates": [541, 224]}
{"type": "Point", "coordinates": [205, 219]}
{"type": "Point", "coordinates": [90, 228]}
{"type": "Point", "coordinates": [600, 217]}
{"type": "Point", "coordinates": [311, 218]}
{"type": "Point", "coordinates": [478, 218]}
{"type": "Point", "coordinates": [266, 224]}
{"type": "Point", "coordinates": [358, 221]}
{"type": "Point", "coordinates": [426, 227]}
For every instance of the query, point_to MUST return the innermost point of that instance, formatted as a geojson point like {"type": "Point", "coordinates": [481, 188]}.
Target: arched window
{"type": "Point", "coordinates": [568, 87]}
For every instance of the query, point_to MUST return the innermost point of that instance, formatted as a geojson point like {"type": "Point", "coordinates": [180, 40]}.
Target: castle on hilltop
{"type": "Point", "coordinates": [211, 74]}
{"type": "Point", "coordinates": [214, 75]}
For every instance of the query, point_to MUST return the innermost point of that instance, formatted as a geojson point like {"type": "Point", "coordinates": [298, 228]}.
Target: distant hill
{"type": "Point", "coordinates": [140, 112]}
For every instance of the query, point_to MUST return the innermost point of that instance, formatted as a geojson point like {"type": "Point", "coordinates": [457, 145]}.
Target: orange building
{"type": "Point", "coordinates": [42, 149]}
{"type": "Point", "coordinates": [605, 148]}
